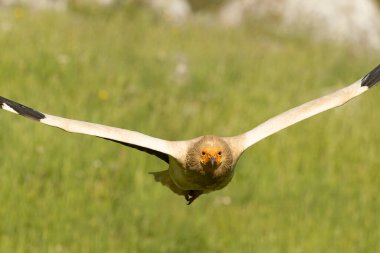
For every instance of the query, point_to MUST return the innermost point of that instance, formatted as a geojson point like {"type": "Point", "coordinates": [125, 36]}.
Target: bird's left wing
{"type": "Point", "coordinates": [307, 110]}
{"type": "Point", "coordinates": [155, 146]}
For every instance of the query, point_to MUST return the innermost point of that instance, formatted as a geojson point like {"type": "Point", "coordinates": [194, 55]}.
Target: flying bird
{"type": "Point", "coordinates": [206, 163]}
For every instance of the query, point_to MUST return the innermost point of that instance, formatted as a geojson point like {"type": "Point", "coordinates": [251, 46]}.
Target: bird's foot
{"type": "Point", "coordinates": [191, 195]}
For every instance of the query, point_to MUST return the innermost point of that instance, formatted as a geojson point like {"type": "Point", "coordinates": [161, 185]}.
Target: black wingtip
{"type": "Point", "coordinates": [372, 78]}
{"type": "Point", "coordinates": [21, 109]}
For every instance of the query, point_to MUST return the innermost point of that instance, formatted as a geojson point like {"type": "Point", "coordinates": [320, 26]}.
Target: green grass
{"type": "Point", "coordinates": [311, 188]}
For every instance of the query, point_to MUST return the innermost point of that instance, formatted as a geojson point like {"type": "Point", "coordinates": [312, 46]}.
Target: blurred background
{"type": "Point", "coordinates": [177, 69]}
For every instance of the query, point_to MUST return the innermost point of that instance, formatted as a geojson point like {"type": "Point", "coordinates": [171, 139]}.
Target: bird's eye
{"type": "Point", "coordinates": [203, 153]}
{"type": "Point", "coordinates": [220, 153]}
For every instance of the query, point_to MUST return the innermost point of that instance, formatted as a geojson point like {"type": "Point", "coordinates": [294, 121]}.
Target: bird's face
{"type": "Point", "coordinates": [211, 157]}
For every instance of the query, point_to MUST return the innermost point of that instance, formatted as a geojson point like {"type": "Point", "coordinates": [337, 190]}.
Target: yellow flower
{"type": "Point", "coordinates": [18, 12]}
{"type": "Point", "coordinates": [103, 95]}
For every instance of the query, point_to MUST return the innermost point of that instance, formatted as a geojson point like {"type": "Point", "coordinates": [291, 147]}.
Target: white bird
{"type": "Point", "coordinates": [205, 163]}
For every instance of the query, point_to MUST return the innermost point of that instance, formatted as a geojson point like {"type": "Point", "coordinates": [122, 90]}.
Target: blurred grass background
{"type": "Point", "coordinates": [311, 188]}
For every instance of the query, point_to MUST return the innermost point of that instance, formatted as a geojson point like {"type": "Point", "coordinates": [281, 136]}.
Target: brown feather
{"type": "Point", "coordinates": [205, 177]}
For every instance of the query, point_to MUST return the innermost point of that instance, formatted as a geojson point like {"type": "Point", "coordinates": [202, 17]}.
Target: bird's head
{"type": "Point", "coordinates": [210, 153]}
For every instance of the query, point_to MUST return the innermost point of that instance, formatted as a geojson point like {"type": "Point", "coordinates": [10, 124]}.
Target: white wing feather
{"type": "Point", "coordinates": [113, 133]}
{"type": "Point", "coordinates": [130, 138]}
{"type": "Point", "coordinates": [306, 110]}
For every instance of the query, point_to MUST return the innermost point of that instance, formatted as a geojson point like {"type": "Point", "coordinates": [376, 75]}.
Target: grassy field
{"type": "Point", "coordinates": [311, 188]}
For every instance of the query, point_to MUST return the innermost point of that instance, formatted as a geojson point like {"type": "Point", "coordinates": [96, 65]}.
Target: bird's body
{"type": "Point", "coordinates": [206, 163]}
{"type": "Point", "coordinates": [206, 166]}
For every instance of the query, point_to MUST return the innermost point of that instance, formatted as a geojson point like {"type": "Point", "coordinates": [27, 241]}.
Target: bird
{"type": "Point", "coordinates": [207, 163]}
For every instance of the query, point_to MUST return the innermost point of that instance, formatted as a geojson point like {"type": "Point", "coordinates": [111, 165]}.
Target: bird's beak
{"type": "Point", "coordinates": [212, 161]}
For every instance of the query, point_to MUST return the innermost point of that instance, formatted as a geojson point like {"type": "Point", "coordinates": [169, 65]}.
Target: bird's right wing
{"type": "Point", "coordinates": [306, 110]}
{"type": "Point", "coordinates": [158, 147]}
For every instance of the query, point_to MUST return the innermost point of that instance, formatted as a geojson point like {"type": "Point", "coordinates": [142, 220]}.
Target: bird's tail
{"type": "Point", "coordinates": [164, 178]}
